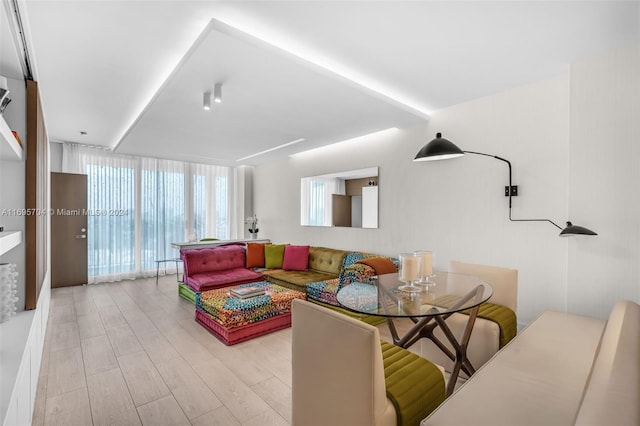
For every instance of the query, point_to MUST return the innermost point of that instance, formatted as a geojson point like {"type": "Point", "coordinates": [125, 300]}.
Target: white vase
{"type": "Point", "coordinates": [8, 291]}
{"type": "Point", "coordinates": [254, 235]}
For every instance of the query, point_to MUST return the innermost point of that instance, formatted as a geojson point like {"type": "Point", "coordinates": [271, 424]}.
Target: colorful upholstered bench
{"type": "Point", "coordinates": [235, 320]}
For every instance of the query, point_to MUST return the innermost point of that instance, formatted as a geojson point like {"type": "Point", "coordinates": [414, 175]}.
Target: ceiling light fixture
{"type": "Point", "coordinates": [206, 101]}
{"type": "Point", "coordinates": [272, 149]}
{"type": "Point", "coordinates": [217, 93]}
{"type": "Point", "coordinates": [347, 141]}
{"type": "Point", "coordinates": [443, 149]}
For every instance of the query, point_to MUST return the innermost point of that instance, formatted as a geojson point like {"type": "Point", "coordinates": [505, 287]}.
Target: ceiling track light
{"type": "Point", "coordinates": [217, 93]}
{"type": "Point", "coordinates": [206, 101]}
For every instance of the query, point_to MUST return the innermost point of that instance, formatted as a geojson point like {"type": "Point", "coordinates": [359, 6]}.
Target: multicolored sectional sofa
{"type": "Point", "coordinates": [328, 271]}
{"type": "Point", "coordinates": [320, 272]}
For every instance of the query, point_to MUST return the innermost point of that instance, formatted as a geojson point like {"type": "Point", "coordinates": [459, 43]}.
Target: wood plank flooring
{"type": "Point", "coordinates": [130, 353]}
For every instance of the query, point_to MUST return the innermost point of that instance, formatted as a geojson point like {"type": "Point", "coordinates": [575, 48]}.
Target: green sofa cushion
{"type": "Point", "coordinates": [187, 293]}
{"type": "Point", "coordinates": [273, 255]}
{"type": "Point", "coordinates": [414, 385]}
{"type": "Point", "coordinates": [501, 315]}
{"type": "Point", "coordinates": [296, 280]}
{"type": "Point", "coordinates": [327, 260]}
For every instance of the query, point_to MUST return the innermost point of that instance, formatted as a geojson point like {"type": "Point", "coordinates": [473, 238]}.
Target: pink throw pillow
{"type": "Point", "coordinates": [296, 258]}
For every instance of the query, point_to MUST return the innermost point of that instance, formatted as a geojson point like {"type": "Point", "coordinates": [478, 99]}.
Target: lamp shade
{"type": "Point", "coordinates": [572, 229]}
{"type": "Point", "coordinates": [438, 149]}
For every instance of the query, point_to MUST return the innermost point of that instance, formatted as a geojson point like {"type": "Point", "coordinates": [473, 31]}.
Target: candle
{"type": "Point", "coordinates": [410, 267]}
{"type": "Point", "coordinates": [426, 263]}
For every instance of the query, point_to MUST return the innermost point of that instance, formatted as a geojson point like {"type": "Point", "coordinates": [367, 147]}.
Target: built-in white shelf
{"type": "Point", "coordinates": [15, 336]}
{"type": "Point", "coordinates": [10, 149]}
{"type": "Point", "coordinates": [9, 240]}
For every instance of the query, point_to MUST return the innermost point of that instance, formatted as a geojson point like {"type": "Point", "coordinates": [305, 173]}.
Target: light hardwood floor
{"type": "Point", "coordinates": [130, 353]}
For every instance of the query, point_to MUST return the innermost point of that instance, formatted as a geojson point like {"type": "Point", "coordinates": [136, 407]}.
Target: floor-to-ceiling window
{"type": "Point", "coordinates": [138, 206]}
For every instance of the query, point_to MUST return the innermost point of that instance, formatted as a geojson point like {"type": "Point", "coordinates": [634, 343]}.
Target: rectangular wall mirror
{"type": "Point", "coordinates": [348, 198]}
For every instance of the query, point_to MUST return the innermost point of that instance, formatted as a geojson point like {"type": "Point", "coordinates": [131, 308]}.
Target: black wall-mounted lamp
{"type": "Point", "coordinates": [443, 149]}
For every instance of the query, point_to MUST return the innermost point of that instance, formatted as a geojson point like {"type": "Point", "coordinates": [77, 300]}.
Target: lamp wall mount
{"type": "Point", "coordinates": [513, 192]}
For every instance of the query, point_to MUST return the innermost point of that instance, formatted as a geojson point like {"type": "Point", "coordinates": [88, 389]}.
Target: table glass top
{"type": "Point", "coordinates": [382, 296]}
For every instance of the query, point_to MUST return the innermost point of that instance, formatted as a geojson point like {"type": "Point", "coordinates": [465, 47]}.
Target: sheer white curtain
{"type": "Point", "coordinates": [163, 210]}
{"type": "Point", "coordinates": [212, 187]}
{"type": "Point", "coordinates": [139, 206]}
{"type": "Point", "coordinates": [111, 210]}
{"type": "Point", "coordinates": [316, 200]}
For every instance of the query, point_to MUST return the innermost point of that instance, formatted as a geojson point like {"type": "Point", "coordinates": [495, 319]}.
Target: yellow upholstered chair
{"type": "Point", "coordinates": [496, 324]}
{"type": "Point", "coordinates": [343, 374]}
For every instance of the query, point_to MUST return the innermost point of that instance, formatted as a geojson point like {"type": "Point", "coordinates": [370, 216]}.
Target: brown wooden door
{"type": "Point", "coordinates": [68, 229]}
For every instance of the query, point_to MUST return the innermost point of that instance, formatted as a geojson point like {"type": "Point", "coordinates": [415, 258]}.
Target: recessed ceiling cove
{"type": "Point", "coordinates": [269, 99]}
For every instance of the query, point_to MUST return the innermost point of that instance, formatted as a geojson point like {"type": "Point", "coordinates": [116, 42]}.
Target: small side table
{"type": "Point", "coordinates": [158, 262]}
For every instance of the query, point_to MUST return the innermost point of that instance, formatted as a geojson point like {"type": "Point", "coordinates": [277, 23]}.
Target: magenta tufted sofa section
{"type": "Point", "coordinates": [214, 259]}
{"type": "Point", "coordinates": [210, 268]}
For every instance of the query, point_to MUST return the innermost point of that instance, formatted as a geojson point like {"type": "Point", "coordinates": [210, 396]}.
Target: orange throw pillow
{"type": "Point", "coordinates": [381, 265]}
{"type": "Point", "coordinates": [255, 255]}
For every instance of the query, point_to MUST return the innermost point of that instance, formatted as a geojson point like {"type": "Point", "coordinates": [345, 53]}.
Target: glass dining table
{"type": "Point", "coordinates": [428, 308]}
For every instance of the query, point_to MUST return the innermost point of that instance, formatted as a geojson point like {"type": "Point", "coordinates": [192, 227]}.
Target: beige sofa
{"type": "Point", "coordinates": [563, 369]}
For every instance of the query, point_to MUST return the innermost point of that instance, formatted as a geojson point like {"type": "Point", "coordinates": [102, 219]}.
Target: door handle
{"type": "Point", "coordinates": [81, 237]}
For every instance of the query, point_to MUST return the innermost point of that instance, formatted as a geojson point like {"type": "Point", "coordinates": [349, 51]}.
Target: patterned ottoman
{"type": "Point", "coordinates": [235, 320]}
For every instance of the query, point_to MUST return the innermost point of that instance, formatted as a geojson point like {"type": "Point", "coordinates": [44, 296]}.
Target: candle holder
{"type": "Point", "coordinates": [426, 268]}
{"type": "Point", "coordinates": [409, 272]}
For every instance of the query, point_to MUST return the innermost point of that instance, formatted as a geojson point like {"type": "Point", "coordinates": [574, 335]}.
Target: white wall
{"type": "Point", "coordinates": [604, 171]}
{"type": "Point", "coordinates": [55, 157]}
{"type": "Point", "coordinates": [457, 208]}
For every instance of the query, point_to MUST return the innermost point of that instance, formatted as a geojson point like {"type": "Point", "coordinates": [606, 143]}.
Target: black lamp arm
{"type": "Point", "coordinates": [534, 220]}
{"type": "Point", "coordinates": [509, 164]}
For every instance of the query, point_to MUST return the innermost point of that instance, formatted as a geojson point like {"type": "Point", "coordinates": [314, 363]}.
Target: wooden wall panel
{"type": "Point", "coordinates": [354, 186]}
{"type": "Point", "coordinates": [37, 198]}
{"type": "Point", "coordinates": [341, 210]}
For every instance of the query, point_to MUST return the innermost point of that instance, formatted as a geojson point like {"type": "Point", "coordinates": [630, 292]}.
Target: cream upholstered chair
{"type": "Point", "coordinates": [504, 281]}
{"type": "Point", "coordinates": [486, 336]}
{"type": "Point", "coordinates": [341, 377]}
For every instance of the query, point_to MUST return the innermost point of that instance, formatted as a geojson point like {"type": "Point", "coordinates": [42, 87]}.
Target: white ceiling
{"type": "Point", "coordinates": [132, 73]}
